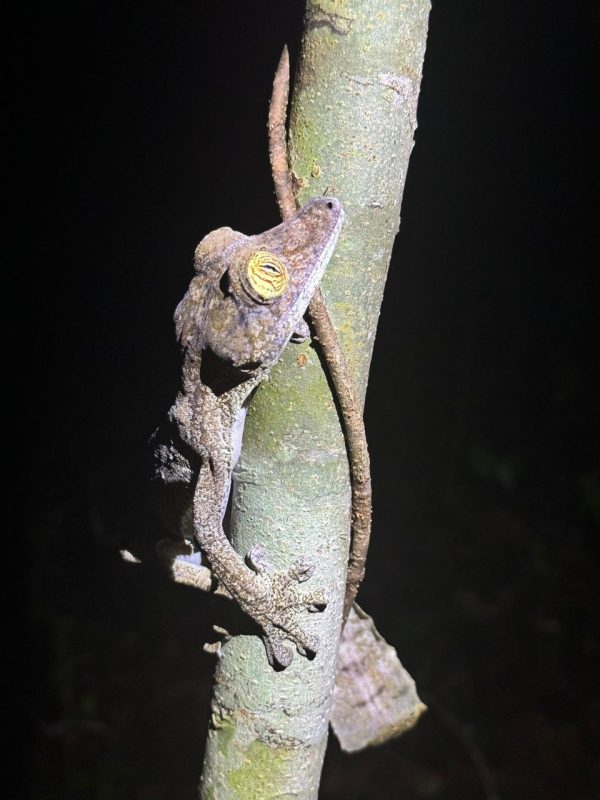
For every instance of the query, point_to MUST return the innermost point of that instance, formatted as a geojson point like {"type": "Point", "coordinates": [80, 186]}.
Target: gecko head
{"type": "Point", "coordinates": [250, 292]}
{"type": "Point", "coordinates": [267, 282]}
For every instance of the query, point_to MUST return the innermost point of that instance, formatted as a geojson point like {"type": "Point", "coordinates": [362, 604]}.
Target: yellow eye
{"type": "Point", "coordinates": [267, 275]}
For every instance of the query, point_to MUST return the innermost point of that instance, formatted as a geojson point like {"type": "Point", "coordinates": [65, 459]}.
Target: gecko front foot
{"type": "Point", "coordinates": [278, 613]}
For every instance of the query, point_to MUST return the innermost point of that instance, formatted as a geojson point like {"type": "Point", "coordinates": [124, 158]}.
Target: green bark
{"type": "Point", "coordinates": [352, 124]}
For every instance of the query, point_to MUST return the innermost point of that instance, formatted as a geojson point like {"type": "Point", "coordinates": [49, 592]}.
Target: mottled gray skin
{"type": "Point", "coordinates": [231, 337]}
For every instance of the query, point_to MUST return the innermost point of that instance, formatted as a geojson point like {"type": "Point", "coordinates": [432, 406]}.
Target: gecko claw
{"type": "Point", "coordinates": [279, 611]}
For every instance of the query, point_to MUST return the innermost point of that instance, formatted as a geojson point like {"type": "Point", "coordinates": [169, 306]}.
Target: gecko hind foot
{"type": "Point", "coordinates": [278, 615]}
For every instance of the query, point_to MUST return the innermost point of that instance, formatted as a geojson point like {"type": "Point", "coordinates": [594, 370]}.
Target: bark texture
{"type": "Point", "coordinates": [351, 133]}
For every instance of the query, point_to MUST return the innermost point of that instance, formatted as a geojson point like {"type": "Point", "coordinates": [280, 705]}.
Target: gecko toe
{"type": "Point", "coordinates": [279, 654]}
{"type": "Point", "coordinates": [258, 560]}
{"type": "Point", "coordinates": [309, 647]}
{"type": "Point", "coordinates": [301, 569]}
{"type": "Point", "coordinates": [316, 601]}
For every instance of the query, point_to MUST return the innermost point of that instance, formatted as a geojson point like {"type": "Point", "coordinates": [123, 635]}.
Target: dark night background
{"type": "Point", "coordinates": [140, 127]}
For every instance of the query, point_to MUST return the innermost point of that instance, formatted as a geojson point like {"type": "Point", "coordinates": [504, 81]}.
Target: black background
{"type": "Point", "coordinates": [138, 127]}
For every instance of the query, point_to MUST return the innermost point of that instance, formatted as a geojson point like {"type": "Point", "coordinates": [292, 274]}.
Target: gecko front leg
{"type": "Point", "coordinates": [270, 598]}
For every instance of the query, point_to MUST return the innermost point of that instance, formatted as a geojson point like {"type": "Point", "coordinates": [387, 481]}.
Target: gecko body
{"type": "Point", "coordinates": [241, 309]}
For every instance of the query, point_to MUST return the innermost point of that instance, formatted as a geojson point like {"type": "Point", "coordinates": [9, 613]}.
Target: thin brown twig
{"type": "Point", "coordinates": [351, 414]}
{"type": "Point", "coordinates": [278, 155]}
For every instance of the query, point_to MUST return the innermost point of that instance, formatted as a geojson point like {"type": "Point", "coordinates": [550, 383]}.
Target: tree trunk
{"type": "Point", "coordinates": [353, 119]}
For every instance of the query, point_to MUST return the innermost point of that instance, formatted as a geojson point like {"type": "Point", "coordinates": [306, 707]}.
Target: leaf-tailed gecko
{"type": "Point", "coordinates": [237, 316]}
{"type": "Point", "coordinates": [240, 311]}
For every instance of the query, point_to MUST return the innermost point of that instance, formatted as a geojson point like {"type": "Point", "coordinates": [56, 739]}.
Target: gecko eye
{"type": "Point", "coordinates": [267, 275]}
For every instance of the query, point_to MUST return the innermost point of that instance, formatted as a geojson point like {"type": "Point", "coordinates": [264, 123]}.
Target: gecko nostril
{"type": "Point", "coordinates": [330, 205]}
